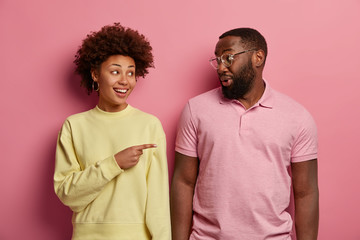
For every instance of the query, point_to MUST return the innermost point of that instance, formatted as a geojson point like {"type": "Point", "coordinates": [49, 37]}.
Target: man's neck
{"type": "Point", "coordinates": [254, 95]}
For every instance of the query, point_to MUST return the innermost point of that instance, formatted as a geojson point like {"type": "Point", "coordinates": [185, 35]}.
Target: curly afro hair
{"type": "Point", "coordinates": [114, 39]}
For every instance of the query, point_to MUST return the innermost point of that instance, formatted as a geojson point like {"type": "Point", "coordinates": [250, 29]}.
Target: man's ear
{"type": "Point", "coordinates": [259, 58]}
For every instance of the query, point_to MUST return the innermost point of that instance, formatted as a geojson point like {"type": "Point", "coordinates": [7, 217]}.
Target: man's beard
{"type": "Point", "coordinates": [243, 81]}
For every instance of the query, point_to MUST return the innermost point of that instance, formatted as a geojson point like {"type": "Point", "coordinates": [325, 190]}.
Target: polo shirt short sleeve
{"type": "Point", "coordinates": [186, 136]}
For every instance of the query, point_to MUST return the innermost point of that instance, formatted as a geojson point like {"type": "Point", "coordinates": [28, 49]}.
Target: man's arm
{"type": "Point", "coordinates": [181, 195]}
{"type": "Point", "coordinates": [306, 195]}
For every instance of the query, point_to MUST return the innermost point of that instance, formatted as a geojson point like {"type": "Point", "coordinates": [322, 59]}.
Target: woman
{"type": "Point", "coordinates": [111, 166]}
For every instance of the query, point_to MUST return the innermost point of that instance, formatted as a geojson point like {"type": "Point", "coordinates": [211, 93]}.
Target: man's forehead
{"type": "Point", "coordinates": [228, 43]}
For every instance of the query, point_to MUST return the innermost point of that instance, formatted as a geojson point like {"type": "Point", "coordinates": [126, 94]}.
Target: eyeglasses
{"type": "Point", "coordinates": [226, 59]}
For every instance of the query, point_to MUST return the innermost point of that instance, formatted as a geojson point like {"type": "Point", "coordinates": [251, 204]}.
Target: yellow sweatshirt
{"type": "Point", "coordinates": [107, 201]}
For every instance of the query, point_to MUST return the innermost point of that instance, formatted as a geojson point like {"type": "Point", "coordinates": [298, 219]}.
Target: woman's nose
{"type": "Point", "coordinates": [122, 79]}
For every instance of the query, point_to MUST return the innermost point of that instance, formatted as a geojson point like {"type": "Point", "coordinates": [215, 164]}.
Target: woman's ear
{"type": "Point", "coordinates": [94, 75]}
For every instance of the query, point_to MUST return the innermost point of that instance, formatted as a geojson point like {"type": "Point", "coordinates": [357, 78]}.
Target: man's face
{"type": "Point", "coordinates": [238, 79]}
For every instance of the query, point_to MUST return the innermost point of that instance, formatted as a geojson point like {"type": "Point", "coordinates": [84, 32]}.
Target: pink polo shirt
{"type": "Point", "coordinates": [243, 187]}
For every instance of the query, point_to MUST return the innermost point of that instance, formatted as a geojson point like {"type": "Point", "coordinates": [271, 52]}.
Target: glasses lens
{"type": "Point", "coordinates": [227, 59]}
{"type": "Point", "coordinates": [214, 62]}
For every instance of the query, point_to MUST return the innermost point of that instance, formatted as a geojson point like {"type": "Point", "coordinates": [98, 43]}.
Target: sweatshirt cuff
{"type": "Point", "coordinates": [109, 167]}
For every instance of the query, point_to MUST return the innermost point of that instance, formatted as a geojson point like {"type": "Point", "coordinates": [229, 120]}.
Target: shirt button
{"type": "Point", "coordinates": [97, 164]}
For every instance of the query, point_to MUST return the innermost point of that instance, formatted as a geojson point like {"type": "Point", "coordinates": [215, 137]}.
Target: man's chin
{"type": "Point", "coordinates": [227, 92]}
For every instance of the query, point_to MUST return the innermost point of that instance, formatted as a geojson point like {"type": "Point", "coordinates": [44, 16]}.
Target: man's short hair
{"type": "Point", "coordinates": [250, 38]}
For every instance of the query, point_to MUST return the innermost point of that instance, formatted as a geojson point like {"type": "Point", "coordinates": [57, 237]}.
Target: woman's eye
{"type": "Point", "coordinates": [115, 72]}
{"type": "Point", "coordinates": [130, 74]}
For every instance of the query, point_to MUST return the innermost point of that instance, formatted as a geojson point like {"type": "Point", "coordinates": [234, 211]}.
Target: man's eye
{"type": "Point", "coordinates": [229, 58]}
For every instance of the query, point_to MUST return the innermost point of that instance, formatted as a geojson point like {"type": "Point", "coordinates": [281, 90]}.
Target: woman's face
{"type": "Point", "coordinates": [116, 80]}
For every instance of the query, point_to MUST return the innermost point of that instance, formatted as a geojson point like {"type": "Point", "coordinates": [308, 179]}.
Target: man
{"type": "Point", "coordinates": [240, 151]}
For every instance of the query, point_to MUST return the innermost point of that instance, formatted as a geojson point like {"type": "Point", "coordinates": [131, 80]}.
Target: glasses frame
{"type": "Point", "coordinates": [231, 58]}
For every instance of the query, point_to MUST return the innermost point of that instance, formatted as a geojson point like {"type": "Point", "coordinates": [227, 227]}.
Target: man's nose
{"type": "Point", "coordinates": [221, 68]}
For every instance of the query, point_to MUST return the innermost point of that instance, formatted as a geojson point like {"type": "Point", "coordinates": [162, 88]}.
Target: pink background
{"type": "Point", "coordinates": [313, 57]}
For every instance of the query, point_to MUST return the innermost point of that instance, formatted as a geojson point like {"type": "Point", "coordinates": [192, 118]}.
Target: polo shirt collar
{"type": "Point", "coordinates": [266, 100]}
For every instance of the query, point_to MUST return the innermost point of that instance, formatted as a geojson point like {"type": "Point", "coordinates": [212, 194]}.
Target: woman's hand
{"type": "Point", "coordinates": [129, 157]}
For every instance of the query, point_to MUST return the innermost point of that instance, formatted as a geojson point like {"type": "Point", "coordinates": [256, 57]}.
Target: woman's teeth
{"type": "Point", "coordinates": [121, 90]}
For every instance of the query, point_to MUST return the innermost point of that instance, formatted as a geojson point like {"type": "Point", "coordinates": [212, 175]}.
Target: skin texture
{"type": "Point", "coordinates": [181, 195]}
{"type": "Point", "coordinates": [306, 195]}
{"type": "Point", "coordinates": [118, 73]}
{"type": "Point", "coordinates": [129, 157]}
{"type": "Point", "coordinates": [304, 174]}
{"type": "Point", "coordinates": [242, 82]}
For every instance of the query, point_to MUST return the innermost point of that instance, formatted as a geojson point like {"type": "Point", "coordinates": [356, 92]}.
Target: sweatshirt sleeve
{"type": "Point", "coordinates": [77, 187]}
{"type": "Point", "coordinates": [157, 206]}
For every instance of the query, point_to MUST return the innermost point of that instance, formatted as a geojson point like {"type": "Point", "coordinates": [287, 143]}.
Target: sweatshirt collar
{"type": "Point", "coordinates": [113, 114]}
